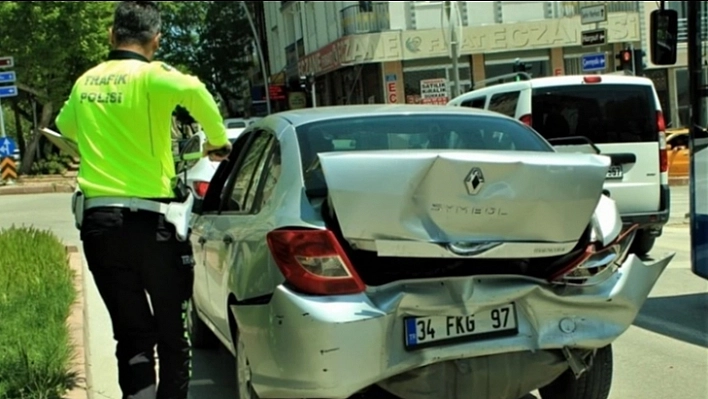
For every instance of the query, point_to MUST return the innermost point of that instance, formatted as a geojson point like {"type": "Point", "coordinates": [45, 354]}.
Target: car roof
{"type": "Point", "coordinates": [309, 115]}
{"type": "Point", "coordinates": [554, 81]}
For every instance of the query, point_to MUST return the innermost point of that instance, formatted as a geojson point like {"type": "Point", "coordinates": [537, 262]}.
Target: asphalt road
{"type": "Point", "coordinates": [664, 355]}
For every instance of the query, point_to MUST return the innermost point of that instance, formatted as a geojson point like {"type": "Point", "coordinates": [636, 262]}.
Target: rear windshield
{"type": "Point", "coordinates": [603, 113]}
{"type": "Point", "coordinates": [412, 132]}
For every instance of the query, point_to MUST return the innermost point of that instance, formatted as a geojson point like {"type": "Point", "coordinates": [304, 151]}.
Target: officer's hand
{"type": "Point", "coordinates": [217, 154]}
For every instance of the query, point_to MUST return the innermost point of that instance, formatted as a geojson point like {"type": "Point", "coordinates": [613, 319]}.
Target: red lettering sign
{"type": "Point", "coordinates": [392, 98]}
{"type": "Point", "coordinates": [558, 72]}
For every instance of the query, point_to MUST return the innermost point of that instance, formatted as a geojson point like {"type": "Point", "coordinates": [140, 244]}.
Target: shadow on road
{"type": "Point", "coordinates": [682, 317]}
{"type": "Point", "coordinates": [213, 375]}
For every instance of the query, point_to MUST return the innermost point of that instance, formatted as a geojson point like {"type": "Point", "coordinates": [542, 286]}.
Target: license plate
{"type": "Point", "coordinates": [615, 172]}
{"type": "Point", "coordinates": [435, 330]}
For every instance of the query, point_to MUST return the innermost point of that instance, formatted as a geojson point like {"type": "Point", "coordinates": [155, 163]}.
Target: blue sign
{"type": "Point", "coordinates": [7, 77]}
{"type": "Point", "coordinates": [594, 62]}
{"type": "Point", "coordinates": [8, 91]}
{"type": "Point", "coordinates": [7, 147]}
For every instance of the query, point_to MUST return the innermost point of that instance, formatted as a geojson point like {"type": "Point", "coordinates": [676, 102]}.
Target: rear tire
{"type": "Point", "coordinates": [595, 383]}
{"type": "Point", "coordinates": [200, 335]}
{"type": "Point", "coordinates": [643, 243]}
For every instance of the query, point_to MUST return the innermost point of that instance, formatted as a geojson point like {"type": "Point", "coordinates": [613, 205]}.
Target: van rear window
{"type": "Point", "coordinates": [603, 113]}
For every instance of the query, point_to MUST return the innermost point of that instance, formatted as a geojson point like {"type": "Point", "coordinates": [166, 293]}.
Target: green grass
{"type": "Point", "coordinates": [36, 293]}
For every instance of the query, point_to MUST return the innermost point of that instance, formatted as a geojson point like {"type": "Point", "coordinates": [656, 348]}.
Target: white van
{"type": "Point", "coordinates": [621, 115]}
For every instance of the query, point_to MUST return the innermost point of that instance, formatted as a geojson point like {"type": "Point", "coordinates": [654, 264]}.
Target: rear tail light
{"type": "Point", "coordinates": [314, 262]}
{"type": "Point", "coordinates": [663, 155]}
{"type": "Point", "coordinates": [595, 265]}
{"type": "Point", "coordinates": [527, 120]}
{"type": "Point", "coordinates": [200, 188]}
{"type": "Point", "coordinates": [592, 79]}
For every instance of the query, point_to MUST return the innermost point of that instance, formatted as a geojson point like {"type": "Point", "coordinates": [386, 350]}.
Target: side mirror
{"type": "Point", "coordinates": [664, 35]}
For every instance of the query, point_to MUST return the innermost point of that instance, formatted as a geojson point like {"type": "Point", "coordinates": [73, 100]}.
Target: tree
{"type": "Point", "coordinates": [213, 40]}
{"type": "Point", "coordinates": [53, 43]}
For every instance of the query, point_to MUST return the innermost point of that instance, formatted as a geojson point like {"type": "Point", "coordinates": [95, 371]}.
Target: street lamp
{"type": "Point", "coordinates": [260, 54]}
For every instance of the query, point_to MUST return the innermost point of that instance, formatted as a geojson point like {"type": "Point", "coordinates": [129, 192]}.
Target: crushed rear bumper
{"type": "Point", "coordinates": [331, 347]}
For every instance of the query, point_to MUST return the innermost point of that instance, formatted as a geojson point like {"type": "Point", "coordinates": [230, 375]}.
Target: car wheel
{"type": "Point", "coordinates": [593, 384]}
{"type": "Point", "coordinates": [244, 389]}
{"type": "Point", "coordinates": [643, 243]}
{"type": "Point", "coordinates": [200, 335]}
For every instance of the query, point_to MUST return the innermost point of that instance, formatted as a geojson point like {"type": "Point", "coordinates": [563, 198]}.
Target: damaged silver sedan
{"type": "Point", "coordinates": [432, 252]}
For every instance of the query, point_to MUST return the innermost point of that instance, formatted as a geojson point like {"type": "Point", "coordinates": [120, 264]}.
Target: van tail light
{"type": "Point", "coordinates": [595, 264]}
{"type": "Point", "coordinates": [200, 188]}
{"type": "Point", "coordinates": [663, 154]}
{"type": "Point", "coordinates": [526, 120]}
{"type": "Point", "coordinates": [314, 262]}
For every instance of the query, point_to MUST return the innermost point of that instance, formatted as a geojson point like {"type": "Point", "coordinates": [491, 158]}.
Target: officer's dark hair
{"type": "Point", "coordinates": [136, 22]}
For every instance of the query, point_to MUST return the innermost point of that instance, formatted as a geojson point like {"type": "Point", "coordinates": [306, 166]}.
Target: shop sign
{"type": "Point", "coordinates": [350, 50]}
{"type": "Point", "coordinates": [391, 90]}
{"type": "Point", "coordinates": [550, 33]}
{"type": "Point", "coordinates": [434, 91]}
{"type": "Point", "coordinates": [297, 100]}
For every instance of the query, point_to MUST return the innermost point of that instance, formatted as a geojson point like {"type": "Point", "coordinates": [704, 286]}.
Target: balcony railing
{"type": "Point", "coordinates": [683, 29]}
{"type": "Point", "coordinates": [572, 8]}
{"type": "Point", "coordinates": [366, 17]}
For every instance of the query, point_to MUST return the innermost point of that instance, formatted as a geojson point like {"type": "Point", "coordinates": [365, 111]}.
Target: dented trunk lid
{"type": "Point", "coordinates": [458, 197]}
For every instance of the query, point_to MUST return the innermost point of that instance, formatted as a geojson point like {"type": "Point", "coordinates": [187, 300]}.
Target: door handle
{"type": "Point", "coordinates": [201, 240]}
{"type": "Point", "coordinates": [228, 240]}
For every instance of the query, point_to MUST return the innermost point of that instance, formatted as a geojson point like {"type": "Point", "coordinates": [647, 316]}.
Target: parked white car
{"type": "Point", "coordinates": [621, 115]}
{"type": "Point", "coordinates": [197, 173]}
{"type": "Point", "coordinates": [240, 123]}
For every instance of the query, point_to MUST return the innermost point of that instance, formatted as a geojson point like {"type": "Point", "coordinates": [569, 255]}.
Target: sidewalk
{"type": "Point", "coordinates": [101, 370]}
{"type": "Point", "coordinates": [39, 185]}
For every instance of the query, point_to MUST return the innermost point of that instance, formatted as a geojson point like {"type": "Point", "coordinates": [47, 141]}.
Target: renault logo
{"type": "Point", "coordinates": [474, 181]}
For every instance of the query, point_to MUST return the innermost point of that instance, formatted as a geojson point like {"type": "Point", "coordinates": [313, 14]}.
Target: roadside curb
{"type": "Point", "coordinates": [77, 331]}
{"type": "Point", "coordinates": [44, 188]}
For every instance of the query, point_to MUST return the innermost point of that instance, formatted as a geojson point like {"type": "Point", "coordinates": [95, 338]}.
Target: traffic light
{"type": "Point", "coordinates": [521, 66]}
{"type": "Point", "coordinates": [625, 60]}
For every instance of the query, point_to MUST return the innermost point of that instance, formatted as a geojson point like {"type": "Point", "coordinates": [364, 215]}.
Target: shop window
{"type": "Point", "coordinates": [412, 80]}
{"type": "Point", "coordinates": [538, 69]}
{"type": "Point", "coordinates": [661, 84]}
{"type": "Point", "coordinates": [682, 96]}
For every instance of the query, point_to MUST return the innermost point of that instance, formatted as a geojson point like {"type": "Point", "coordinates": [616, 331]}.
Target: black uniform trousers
{"type": "Point", "coordinates": [131, 253]}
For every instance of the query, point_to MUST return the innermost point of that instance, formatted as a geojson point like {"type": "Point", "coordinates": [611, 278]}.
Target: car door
{"type": "Point", "coordinates": [205, 241]}
{"type": "Point", "coordinates": [226, 232]}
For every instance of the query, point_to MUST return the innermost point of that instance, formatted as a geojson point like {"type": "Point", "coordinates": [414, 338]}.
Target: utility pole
{"type": "Point", "coordinates": [259, 49]}
{"type": "Point", "coordinates": [454, 48]}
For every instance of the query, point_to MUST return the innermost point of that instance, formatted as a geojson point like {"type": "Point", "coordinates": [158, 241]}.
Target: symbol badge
{"type": "Point", "coordinates": [474, 181]}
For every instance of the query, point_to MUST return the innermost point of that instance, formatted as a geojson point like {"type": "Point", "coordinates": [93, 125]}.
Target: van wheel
{"type": "Point", "coordinates": [643, 243]}
{"type": "Point", "coordinates": [200, 336]}
{"type": "Point", "coordinates": [593, 384]}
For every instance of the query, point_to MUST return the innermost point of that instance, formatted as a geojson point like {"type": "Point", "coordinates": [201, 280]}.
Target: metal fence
{"type": "Point", "coordinates": [366, 17]}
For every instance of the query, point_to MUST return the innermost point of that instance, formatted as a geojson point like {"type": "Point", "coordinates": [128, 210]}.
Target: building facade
{"type": "Point", "coordinates": [399, 52]}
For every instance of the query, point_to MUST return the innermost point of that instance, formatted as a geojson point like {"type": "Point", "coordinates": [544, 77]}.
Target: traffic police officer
{"type": "Point", "coordinates": [119, 114]}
